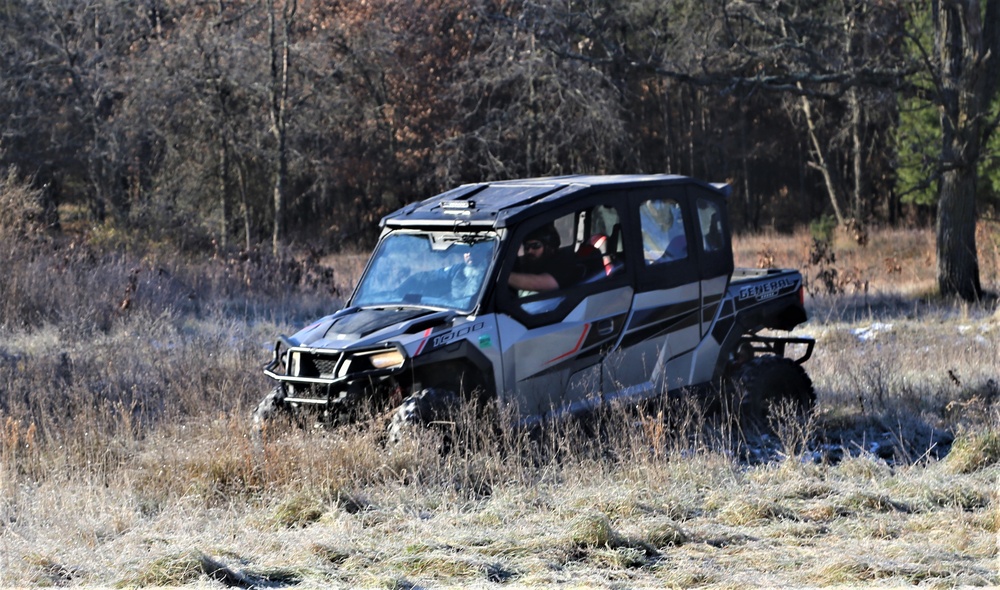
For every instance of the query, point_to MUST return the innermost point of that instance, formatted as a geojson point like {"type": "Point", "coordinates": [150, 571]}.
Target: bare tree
{"type": "Point", "coordinates": [63, 90]}
{"type": "Point", "coordinates": [963, 65]}
{"type": "Point", "coordinates": [965, 68]}
{"type": "Point", "coordinates": [323, 116]}
{"type": "Point", "coordinates": [816, 57]}
{"type": "Point", "coordinates": [198, 89]}
{"type": "Point", "coordinates": [524, 112]}
{"type": "Point", "coordinates": [280, 21]}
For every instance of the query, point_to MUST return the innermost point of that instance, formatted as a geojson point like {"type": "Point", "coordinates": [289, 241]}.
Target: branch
{"type": "Point", "coordinates": [991, 45]}
{"type": "Point", "coordinates": [795, 83]}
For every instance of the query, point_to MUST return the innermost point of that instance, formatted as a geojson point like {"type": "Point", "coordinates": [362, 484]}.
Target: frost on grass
{"type": "Point", "coordinates": [188, 567]}
{"type": "Point", "coordinates": [125, 458]}
{"type": "Point", "coordinates": [974, 450]}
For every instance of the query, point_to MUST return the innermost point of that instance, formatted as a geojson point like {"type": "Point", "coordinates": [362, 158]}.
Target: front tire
{"type": "Point", "coordinates": [269, 407]}
{"type": "Point", "coordinates": [428, 407]}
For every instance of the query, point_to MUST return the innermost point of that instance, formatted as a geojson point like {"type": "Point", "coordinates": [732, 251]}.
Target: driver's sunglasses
{"type": "Point", "coordinates": [533, 245]}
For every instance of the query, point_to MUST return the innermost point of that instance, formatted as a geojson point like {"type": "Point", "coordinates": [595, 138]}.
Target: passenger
{"type": "Point", "coordinates": [467, 278]}
{"type": "Point", "coordinates": [543, 266]}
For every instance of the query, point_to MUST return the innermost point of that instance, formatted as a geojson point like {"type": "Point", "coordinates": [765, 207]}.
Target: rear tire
{"type": "Point", "coordinates": [769, 382]}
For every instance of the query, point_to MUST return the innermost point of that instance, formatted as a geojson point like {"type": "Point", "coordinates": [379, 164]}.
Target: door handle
{"type": "Point", "coordinates": [606, 327]}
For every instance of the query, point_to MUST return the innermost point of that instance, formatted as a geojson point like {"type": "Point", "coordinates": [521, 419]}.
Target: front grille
{"type": "Point", "coordinates": [325, 366]}
{"type": "Point", "coordinates": [315, 366]}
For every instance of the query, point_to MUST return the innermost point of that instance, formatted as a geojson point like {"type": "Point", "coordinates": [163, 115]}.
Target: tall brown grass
{"type": "Point", "coordinates": [127, 458]}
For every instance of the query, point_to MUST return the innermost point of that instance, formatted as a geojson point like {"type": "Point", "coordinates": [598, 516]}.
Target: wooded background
{"type": "Point", "coordinates": [241, 124]}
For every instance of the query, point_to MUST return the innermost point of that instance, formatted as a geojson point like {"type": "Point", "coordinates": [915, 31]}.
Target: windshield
{"type": "Point", "coordinates": [436, 269]}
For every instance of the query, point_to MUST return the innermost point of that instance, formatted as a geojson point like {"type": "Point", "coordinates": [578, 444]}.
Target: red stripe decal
{"type": "Point", "coordinates": [427, 333]}
{"type": "Point", "coordinates": [579, 343]}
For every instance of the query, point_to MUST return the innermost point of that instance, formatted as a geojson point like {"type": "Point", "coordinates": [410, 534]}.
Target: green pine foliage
{"type": "Point", "coordinates": [917, 137]}
{"type": "Point", "coordinates": [918, 140]}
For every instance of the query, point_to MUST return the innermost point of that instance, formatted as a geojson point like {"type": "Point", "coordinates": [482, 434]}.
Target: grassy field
{"type": "Point", "coordinates": [126, 455]}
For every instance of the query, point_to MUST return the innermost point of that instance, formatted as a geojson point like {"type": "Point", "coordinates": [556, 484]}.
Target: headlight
{"type": "Point", "coordinates": [385, 360]}
{"type": "Point", "coordinates": [294, 363]}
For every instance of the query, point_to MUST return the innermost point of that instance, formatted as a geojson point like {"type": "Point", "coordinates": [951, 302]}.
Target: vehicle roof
{"type": "Point", "coordinates": [502, 203]}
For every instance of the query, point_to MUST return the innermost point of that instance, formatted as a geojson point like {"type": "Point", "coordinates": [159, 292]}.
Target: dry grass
{"type": "Point", "coordinates": [126, 458]}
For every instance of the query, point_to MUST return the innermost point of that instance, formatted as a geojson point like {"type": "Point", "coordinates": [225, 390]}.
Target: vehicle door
{"type": "Point", "coordinates": [715, 268]}
{"type": "Point", "coordinates": [553, 340]}
{"type": "Point", "coordinates": [665, 323]}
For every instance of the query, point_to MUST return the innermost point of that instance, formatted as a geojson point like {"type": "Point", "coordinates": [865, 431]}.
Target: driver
{"type": "Point", "coordinates": [543, 266]}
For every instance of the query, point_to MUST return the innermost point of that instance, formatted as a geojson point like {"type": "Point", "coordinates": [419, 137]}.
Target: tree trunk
{"type": "Point", "coordinates": [529, 147]}
{"type": "Point", "coordinates": [958, 263]}
{"type": "Point", "coordinates": [279, 110]}
{"type": "Point", "coordinates": [278, 236]}
{"type": "Point", "coordinates": [744, 164]}
{"type": "Point", "coordinates": [820, 163]}
{"type": "Point", "coordinates": [224, 192]}
{"type": "Point", "coordinates": [244, 206]}
{"type": "Point", "coordinates": [857, 192]}
{"type": "Point", "coordinates": [968, 53]}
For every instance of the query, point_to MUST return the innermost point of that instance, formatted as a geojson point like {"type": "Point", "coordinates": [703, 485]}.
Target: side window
{"type": "Point", "coordinates": [569, 252]}
{"type": "Point", "coordinates": [710, 223]}
{"type": "Point", "coordinates": [599, 243]}
{"type": "Point", "coordinates": [662, 225]}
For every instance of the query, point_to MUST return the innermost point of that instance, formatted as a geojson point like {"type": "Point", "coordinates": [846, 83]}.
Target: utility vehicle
{"type": "Point", "coordinates": [658, 309]}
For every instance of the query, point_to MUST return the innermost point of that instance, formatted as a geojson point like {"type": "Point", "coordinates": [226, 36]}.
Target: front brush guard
{"type": "Point", "coordinates": [338, 388]}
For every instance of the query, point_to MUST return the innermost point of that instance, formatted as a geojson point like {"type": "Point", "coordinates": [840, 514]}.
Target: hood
{"type": "Point", "coordinates": [358, 327]}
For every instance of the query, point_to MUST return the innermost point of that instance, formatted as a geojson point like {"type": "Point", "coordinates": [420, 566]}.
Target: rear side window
{"type": "Point", "coordinates": [663, 236]}
{"type": "Point", "coordinates": [710, 224]}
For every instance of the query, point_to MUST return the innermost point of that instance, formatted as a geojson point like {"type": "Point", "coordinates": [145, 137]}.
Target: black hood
{"type": "Point", "coordinates": [369, 320]}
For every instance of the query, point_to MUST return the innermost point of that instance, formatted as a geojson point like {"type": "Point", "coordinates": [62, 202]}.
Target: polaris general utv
{"type": "Point", "coordinates": [647, 304]}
